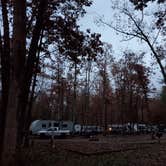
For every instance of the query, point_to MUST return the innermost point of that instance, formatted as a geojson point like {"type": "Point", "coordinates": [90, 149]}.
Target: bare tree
{"type": "Point", "coordinates": [104, 64]}
{"type": "Point", "coordinates": [134, 26]}
{"type": "Point", "coordinates": [132, 86]}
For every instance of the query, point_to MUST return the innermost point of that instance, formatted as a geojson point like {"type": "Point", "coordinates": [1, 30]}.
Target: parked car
{"type": "Point", "coordinates": [88, 130]}
{"type": "Point", "coordinates": [53, 131]}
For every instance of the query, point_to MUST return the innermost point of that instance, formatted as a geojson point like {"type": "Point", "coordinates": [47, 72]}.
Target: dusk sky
{"type": "Point", "coordinates": [103, 9]}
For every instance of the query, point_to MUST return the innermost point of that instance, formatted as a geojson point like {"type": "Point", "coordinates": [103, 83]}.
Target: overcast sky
{"type": "Point", "coordinates": [103, 8]}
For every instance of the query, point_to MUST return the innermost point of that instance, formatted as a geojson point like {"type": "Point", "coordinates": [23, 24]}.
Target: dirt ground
{"type": "Point", "coordinates": [139, 150]}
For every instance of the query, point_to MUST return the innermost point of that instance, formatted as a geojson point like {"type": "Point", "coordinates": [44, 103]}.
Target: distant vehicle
{"type": "Point", "coordinates": [128, 128]}
{"type": "Point", "coordinates": [161, 127]}
{"type": "Point", "coordinates": [53, 131]}
{"type": "Point", "coordinates": [39, 125]}
{"type": "Point", "coordinates": [152, 128]}
{"type": "Point", "coordinates": [74, 128]}
{"type": "Point", "coordinates": [91, 130]}
{"type": "Point", "coordinates": [116, 128]}
{"type": "Point", "coordinates": [142, 128]}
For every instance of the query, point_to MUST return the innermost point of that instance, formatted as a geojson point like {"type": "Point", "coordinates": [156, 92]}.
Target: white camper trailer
{"type": "Point", "coordinates": [38, 125]}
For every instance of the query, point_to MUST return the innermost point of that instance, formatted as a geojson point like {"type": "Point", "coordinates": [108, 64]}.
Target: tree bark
{"type": "Point", "coordinates": [28, 113]}
{"type": "Point", "coordinates": [29, 70]}
{"type": "Point", "coordinates": [75, 93]}
{"type": "Point", "coordinates": [10, 136]}
{"type": "Point", "coordinates": [19, 53]}
{"type": "Point", "coordinates": [5, 70]}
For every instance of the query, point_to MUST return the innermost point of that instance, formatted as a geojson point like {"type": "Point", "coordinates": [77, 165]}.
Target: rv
{"type": "Point", "coordinates": [38, 125]}
{"type": "Point", "coordinates": [53, 132]}
{"type": "Point", "coordinates": [91, 129]}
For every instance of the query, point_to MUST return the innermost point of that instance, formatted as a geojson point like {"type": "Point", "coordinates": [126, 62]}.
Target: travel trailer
{"type": "Point", "coordinates": [38, 125]}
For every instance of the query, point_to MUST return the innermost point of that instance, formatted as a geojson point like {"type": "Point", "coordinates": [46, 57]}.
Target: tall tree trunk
{"type": "Point", "coordinates": [131, 105]}
{"type": "Point", "coordinates": [122, 106]}
{"type": "Point", "coordinates": [88, 90]}
{"type": "Point", "coordinates": [142, 110]}
{"type": "Point", "coordinates": [29, 69]}
{"type": "Point", "coordinates": [62, 99]}
{"type": "Point", "coordinates": [75, 93]}
{"type": "Point", "coordinates": [10, 136]}
{"type": "Point", "coordinates": [31, 98]}
{"type": "Point", "coordinates": [59, 92]}
{"type": "Point", "coordinates": [19, 53]}
{"type": "Point", "coordinates": [87, 93]}
{"type": "Point", "coordinates": [5, 70]}
{"type": "Point", "coordinates": [105, 98]}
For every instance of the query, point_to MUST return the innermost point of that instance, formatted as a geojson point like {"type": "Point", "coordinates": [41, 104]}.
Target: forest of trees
{"type": "Point", "coordinates": [50, 69]}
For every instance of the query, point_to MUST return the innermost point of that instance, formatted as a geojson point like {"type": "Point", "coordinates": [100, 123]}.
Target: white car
{"type": "Point", "coordinates": [53, 131]}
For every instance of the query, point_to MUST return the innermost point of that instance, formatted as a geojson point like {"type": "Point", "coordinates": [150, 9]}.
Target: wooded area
{"type": "Point", "coordinates": [50, 69]}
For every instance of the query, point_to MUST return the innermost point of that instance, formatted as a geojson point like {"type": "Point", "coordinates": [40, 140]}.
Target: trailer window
{"type": "Point", "coordinates": [64, 125]}
{"type": "Point", "coordinates": [56, 124]}
{"type": "Point", "coordinates": [43, 125]}
{"type": "Point", "coordinates": [49, 124]}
